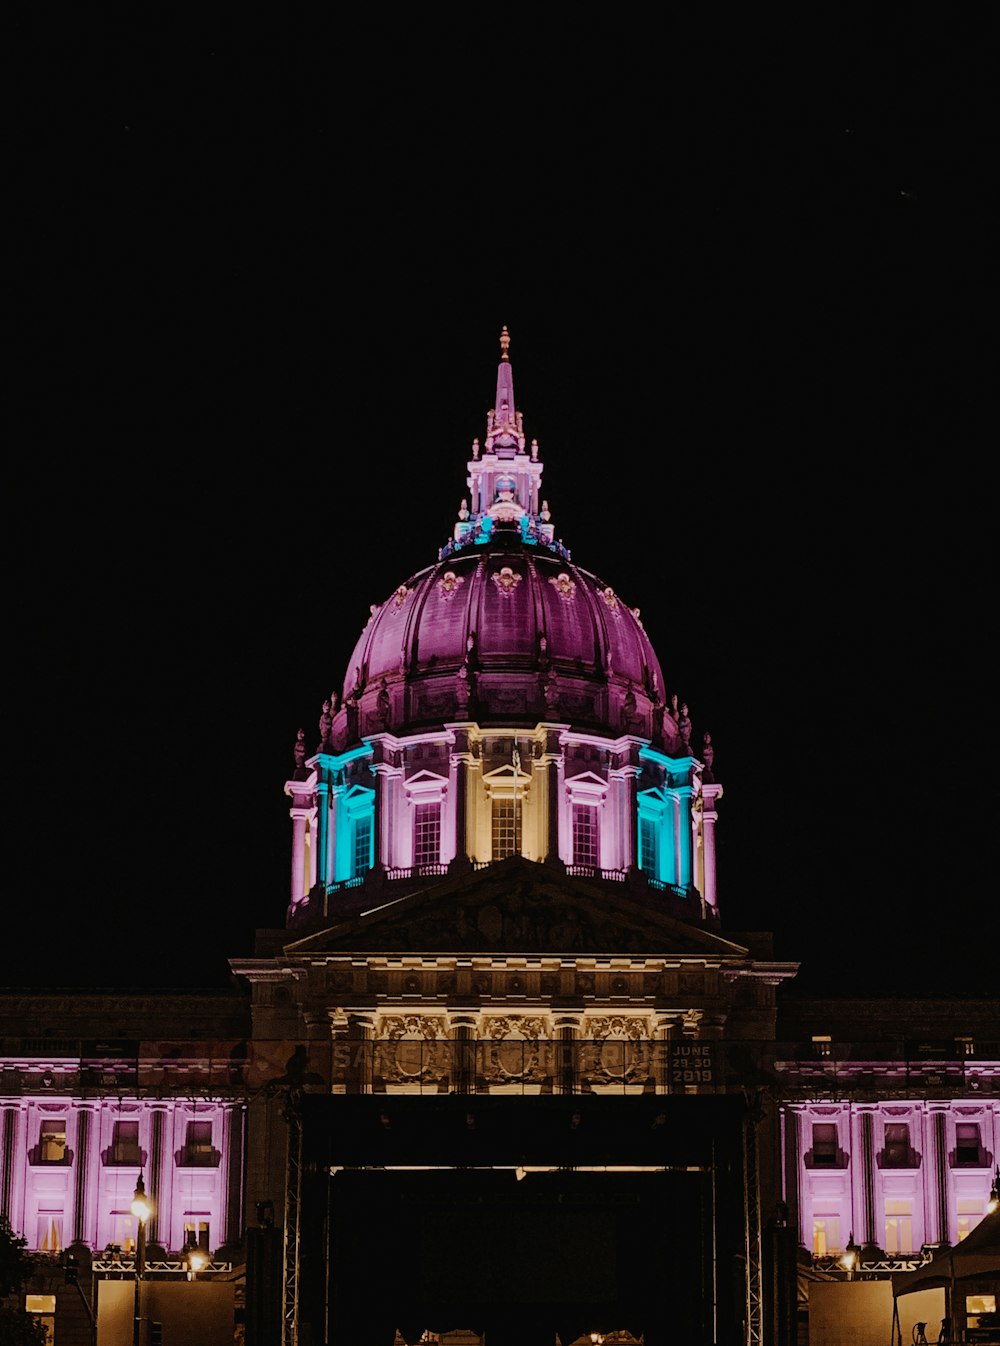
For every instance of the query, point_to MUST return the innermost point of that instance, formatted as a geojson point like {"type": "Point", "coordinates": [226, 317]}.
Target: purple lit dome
{"type": "Point", "coordinates": [504, 630]}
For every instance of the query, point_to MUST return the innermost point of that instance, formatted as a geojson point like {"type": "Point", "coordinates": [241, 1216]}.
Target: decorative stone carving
{"type": "Point", "coordinates": [563, 584]}
{"type": "Point", "coordinates": [326, 719]}
{"type": "Point", "coordinates": [610, 598]}
{"type": "Point", "coordinates": [400, 596]}
{"type": "Point", "coordinates": [684, 726]}
{"type": "Point", "coordinates": [506, 580]}
{"type": "Point", "coordinates": [617, 1050]}
{"type": "Point", "coordinates": [410, 1048]}
{"type": "Point", "coordinates": [300, 749]}
{"type": "Point", "coordinates": [449, 582]}
{"type": "Point", "coordinates": [513, 1050]}
{"type": "Point", "coordinates": [708, 757]}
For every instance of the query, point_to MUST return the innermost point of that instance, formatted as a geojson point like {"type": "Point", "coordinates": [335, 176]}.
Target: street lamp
{"type": "Point", "coordinates": [142, 1208]}
{"type": "Point", "coordinates": [849, 1257]}
{"type": "Point", "coordinates": [196, 1259]}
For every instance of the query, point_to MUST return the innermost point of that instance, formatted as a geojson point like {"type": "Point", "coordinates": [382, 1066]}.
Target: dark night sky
{"type": "Point", "coordinates": [258, 286]}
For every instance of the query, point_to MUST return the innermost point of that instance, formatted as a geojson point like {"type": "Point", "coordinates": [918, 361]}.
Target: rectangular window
{"type": "Point", "coordinates": [49, 1231]}
{"type": "Point", "coordinates": [198, 1148]}
{"type": "Point", "coordinates": [967, 1150]}
{"type": "Point", "coordinates": [824, 1146]}
{"type": "Point", "coordinates": [826, 1235]}
{"type": "Point", "coordinates": [123, 1230]}
{"type": "Point", "coordinates": [362, 845]}
{"type": "Point", "coordinates": [427, 834]}
{"type": "Point", "coordinates": [898, 1227]}
{"type": "Point", "coordinates": [897, 1145]}
{"type": "Point", "coordinates": [44, 1309]}
{"type": "Point", "coordinates": [647, 846]}
{"type": "Point", "coordinates": [196, 1231]}
{"type": "Point", "coordinates": [585, 835]}
{"type": "Point", "coordinates": [970, 1212]}
{"type": "Point", "coordinates": [52, 1140]}
{"type": "Point", "coordinates": [506, 837]}
{"type": "Point", "coordinates": [125, 1144]}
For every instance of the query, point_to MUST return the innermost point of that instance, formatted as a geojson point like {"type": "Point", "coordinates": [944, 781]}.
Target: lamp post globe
{"type": "Point", "coordinates": [142, 1209]}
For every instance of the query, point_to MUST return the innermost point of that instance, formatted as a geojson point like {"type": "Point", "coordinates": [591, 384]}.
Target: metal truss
{"type": "Point", "coordinates": [293, 1203]}
{"type": "Point", "coordinates": [752, 1227]}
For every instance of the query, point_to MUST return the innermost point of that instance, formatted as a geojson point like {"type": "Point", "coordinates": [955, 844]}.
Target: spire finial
{"type": "Point", "coordinates": [504, 343]}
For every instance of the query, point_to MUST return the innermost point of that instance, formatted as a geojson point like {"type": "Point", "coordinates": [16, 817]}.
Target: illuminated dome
{"type": "Point", "coordinates": [502, 704]}
{"type": "Point", "coordinates": [504, 629]}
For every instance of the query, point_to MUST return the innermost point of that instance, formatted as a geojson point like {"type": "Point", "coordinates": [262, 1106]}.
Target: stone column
{"type": "Point", "coordinates": [462, 1026]}
{"type": "Point", "coordinates": [566, 1026]}
{"type": "Point", "coordinates": [18, 1163]}
{"type": "Point", "coordinates": [8, 1139]}
{"type": "Point", "coordinates": [791, 1128]}
{"type": "Point", "coordinates": [864, 1175]}
{"type": "Point", "coordinates": [454, 839]}
{"type": "Point", "coordinates": [342, 1050]}
{"type": "Point", "coordinates": [232, 1175]}
{"type": "Point", "coordinates": [361, 1034]}
{"type": "Point", "coordinates": [550, 762]}
{"type": "Point", "coordinates": [84, 1118]}
{"type": "Point", "coordinates": [388, 817]}
{"type": "Point", "coordinates": [299, 818]}
{"type": "Point", "coordinates": [710, 794]}
{"type": "Point", "coordinates": [666, 1025]}
{"type": "Point", "coordinates": [939, 1134]}
{"type": "Point", "coordinates": [159, 1221]}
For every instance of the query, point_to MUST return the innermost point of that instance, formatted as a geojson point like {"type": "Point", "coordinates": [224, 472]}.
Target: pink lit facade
{"type": "Point", "coordinates": [83, 1116]}
{"type": "Point", "coordinates": [69, 1168]}
{"type": "Point", "coordinates": [897, 1174]}
{"type": "Point", "coordinates": [502, 895]}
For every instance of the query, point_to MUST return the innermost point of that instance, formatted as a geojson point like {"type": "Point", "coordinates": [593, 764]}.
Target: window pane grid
{"type": "Point", "coordinates": [584, 834]}
{"type": "Point", "coordinates": [506, 828]}
{"type": "Point", "coordinates": [427, 835]}
{"type": "Point", "coordinates": [362, 845]}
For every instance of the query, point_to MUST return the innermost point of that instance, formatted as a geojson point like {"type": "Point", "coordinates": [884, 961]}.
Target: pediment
{"type": "Point", "coordinates": [519, 906]}
{"type": "Point", "coordinates": [425, 777]}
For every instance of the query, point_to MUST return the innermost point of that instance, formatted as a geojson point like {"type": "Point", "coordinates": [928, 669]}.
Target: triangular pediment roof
{"type": "Point", "coordinates": [520, 906]}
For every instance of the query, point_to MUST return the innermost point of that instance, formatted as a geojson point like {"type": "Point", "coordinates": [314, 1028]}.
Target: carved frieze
{"type": "Point", "coordinates": [617, 1050]}
{"type": "Point", "coordinates": [513, 1051]}
{"type": "Point", "coordinates": [410, 1048]}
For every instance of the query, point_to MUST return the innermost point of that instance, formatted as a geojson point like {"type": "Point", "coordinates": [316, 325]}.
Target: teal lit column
{"type": "Point", "coordinates": [683, 795]}
{"type": "Point", "coordinates": [322, 828]}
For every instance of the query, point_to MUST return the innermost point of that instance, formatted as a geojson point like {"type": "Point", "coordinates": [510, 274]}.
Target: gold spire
{"type": "Point", "coordinates": [504, 343]}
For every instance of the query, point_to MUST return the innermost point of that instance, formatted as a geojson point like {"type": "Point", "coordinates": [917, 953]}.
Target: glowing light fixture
{"type": "Point", "coordinates": [142, 1209]}
{"type": "Point", "coordinates": [850, 1257]}
{"type": "Point", "coordinates": [196, 1259]}
{"type": "Point", "coordinates": [141, 1206]}
{"type": "Point", "coordinates": [994, 1201]}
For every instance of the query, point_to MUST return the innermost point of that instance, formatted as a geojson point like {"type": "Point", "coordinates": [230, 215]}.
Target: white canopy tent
{"type": "Point", "coordinates": [956, 1269]}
